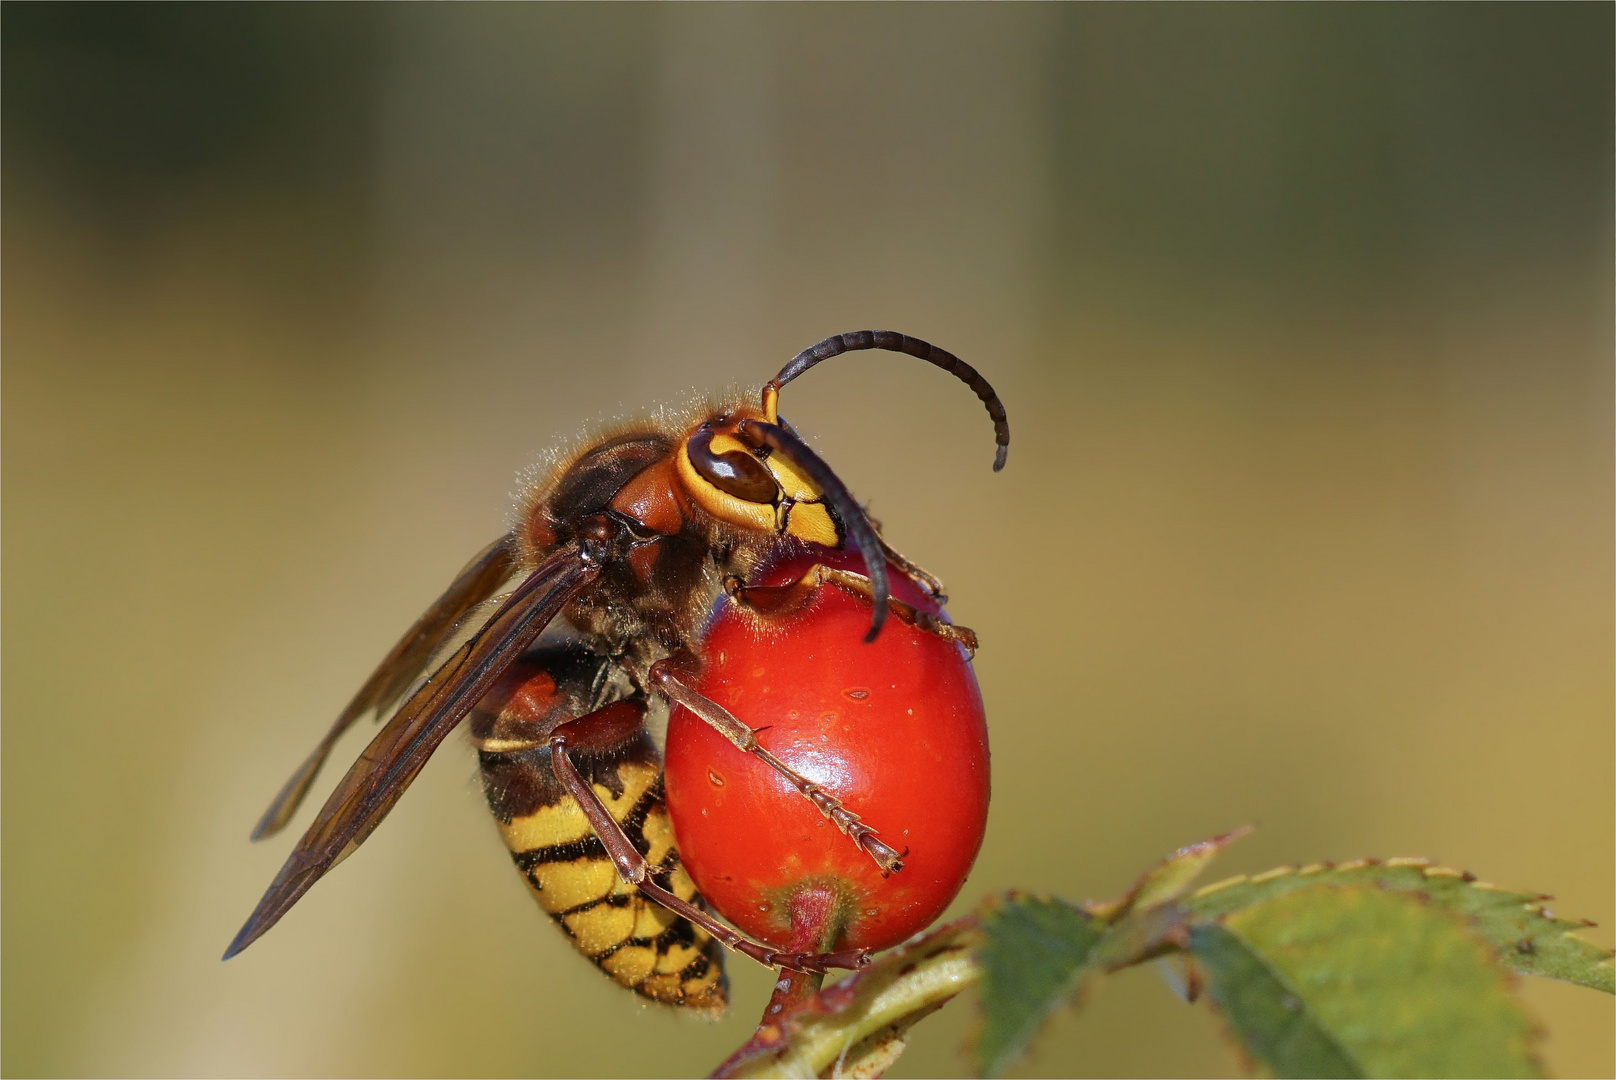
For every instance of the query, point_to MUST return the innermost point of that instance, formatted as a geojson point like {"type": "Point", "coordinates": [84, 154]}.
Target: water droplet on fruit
{"type": "Point", "coordinates": [717, 781]}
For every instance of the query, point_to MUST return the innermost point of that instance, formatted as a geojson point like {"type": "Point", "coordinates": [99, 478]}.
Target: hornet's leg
{"type": "Point", "coordinates": [668, 680]}
{"type": "Point", "coordinates": [928, 582]}
{"type": "Point", "coordinates": [632, 867]}
{"type": "Point", "coordinates": [784, 599]}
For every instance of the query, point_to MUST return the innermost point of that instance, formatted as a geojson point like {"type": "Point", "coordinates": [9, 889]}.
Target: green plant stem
{"type": "Point", "coordinates": [853, 1019]}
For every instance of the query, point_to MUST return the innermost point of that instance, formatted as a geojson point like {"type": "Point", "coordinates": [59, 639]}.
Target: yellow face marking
{"type": "Point", "coordinates": [724, 443]}
{"type": "Point", "coordinates": [812, 522]}
{"type": "Point", "coordinates": [721, 504]}
{"type": "Point", "coordinates": [792, 482]}
{"type": "Point", "coordinates": [807, 518]}
{"type": "Point", "coordinates": [801, 514]}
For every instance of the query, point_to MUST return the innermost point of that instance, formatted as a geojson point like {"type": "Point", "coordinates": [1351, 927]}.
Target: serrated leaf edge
{"type": "Point", "coordinates": [1430, 869]}
{"type": "Point", "coordinates": [1071, 989]}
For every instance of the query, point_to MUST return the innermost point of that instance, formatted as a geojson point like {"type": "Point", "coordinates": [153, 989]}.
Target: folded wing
{"type": "Point", "coordinates": [481, 579]}
{"type": "Point", "coordinates": [399, 751]}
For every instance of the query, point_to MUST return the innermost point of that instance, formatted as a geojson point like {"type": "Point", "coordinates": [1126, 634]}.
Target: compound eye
{"type": "Point", "coordinates": [734, 472]}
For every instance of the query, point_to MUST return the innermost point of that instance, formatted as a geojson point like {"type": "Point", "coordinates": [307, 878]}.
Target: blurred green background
{"type": "Point", "coordinates": [1302, 314]}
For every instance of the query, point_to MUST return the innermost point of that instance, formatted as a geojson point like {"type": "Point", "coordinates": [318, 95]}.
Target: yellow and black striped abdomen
{"type": "Point", "coordinates": [636, 941]}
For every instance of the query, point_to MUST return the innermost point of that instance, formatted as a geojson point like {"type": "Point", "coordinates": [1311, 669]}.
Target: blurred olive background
{"type": "Point", "coordinates": [1303, 317]}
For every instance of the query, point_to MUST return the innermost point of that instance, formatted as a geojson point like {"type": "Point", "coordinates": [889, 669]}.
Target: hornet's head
{"type": "Point", "coordinates": [732, 474]}
{"type": "Point", "coordinates": [748, 467]}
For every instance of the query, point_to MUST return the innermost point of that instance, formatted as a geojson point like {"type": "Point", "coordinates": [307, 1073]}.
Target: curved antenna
{"type": "Point", "coordinates": [892, 341]}
{"type": "Point", "coordinates": [783, 441]}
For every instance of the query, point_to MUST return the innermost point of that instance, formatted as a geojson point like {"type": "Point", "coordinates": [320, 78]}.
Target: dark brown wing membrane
{"type": "Point", "coordinates": [481, 579]}
{"type": "Point", "coordinates": [402, 747]}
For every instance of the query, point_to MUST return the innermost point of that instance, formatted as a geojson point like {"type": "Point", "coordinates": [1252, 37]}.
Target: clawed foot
{"type": "Point", "coordinates": [888, 858]}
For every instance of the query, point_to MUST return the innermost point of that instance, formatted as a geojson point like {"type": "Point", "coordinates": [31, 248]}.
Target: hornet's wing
{"type": "Point", "coordinates": [481, 579]}
{"type": "Point", "coordinates": [401, 748]}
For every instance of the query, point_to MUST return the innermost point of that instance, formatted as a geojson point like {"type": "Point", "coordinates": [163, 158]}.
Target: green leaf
{"type": "Point", "coordinates": [1035, 955]}
{"type": "Point", "coordinates": [1362, 969]}
{"type": "Point", "coordinates": [1168, 879]}
{"type": "Point", "coordinates": [1528, 937]}
{"type": "Point", "coordinates": [1173, 875]}
{"type": "Point", "coordinates": [872, 1055]}
{"type": "Point", "coordinates": [1266, 1015]}
{"type": "Point", "coordinates": [1340, 980]}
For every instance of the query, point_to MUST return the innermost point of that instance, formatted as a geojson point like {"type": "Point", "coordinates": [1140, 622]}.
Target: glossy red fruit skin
{"type": "Point", "coordinates": [894, 728]}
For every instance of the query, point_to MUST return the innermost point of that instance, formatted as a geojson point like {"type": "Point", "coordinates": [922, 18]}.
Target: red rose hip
{"type": "Point", "coordinates": [894, 729]}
